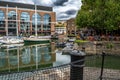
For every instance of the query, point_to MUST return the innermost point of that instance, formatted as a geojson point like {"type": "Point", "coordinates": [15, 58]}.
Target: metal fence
{"type": "Point", "coordinates": [110, 67]}
{"type": "Point", "coordinates": [55, 73]}
{"type": "Point", "coordinates": [92, 67]}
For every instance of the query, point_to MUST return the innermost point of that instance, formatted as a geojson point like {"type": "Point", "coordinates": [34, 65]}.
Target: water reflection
{"type": "Point", "coordinates": [29, 57]}
{"type": "Point", "coordinates": [13, 60]}
{"type": "Point", "coordinates": [2, 59]}
{"type": "Point", "coordinates": [47, 57]}
{"type": "Point", "coordinates": [36, 53]}
{"type": "Point", "coordinates": [26, 56]}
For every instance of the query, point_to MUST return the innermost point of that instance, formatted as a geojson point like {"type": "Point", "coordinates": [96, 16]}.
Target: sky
{"type": "Point", "coordinates": [65, 9]}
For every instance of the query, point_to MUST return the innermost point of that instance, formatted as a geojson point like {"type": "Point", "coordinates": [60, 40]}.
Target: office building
{"type": "Point", "coordinates": [26, 19]}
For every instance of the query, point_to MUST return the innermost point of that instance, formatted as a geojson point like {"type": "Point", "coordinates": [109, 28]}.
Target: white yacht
{"type": "Point", "coordinates": [10, 40]}
{"type": "Point", "coordinates": [37, 40]}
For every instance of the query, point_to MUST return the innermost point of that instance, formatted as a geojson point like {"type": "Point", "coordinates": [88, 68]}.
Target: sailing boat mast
{"type": "Point", "coordinates": [35, 20]}
{"type": "Point", "coordinates": [7, 21]}
{"type": "Point", "coordinates": [16, 22]}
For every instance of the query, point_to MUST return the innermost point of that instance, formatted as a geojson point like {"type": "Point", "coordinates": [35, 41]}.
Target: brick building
{"type": "Point", "coordinates": [71, 26]}
{"type": "Point", "coordinates": [19, 18]}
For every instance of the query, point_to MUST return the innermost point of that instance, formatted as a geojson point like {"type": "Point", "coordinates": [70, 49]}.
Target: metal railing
{"type": "Point", "coordinates": [85, 67]}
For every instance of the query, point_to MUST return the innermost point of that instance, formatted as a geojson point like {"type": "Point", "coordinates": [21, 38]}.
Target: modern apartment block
{"type": "Point", "coordinates": [22, 19]}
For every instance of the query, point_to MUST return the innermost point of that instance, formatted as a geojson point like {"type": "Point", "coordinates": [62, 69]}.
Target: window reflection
{"type": "Point", "coordinates": [2, 59]}
{"type": "Point", "coordinates": [12, 22]}
{"type": "Point", "coordinates": [47, 24]}
{"type": "Point", "coordinates": [26, 57]}
{"type": "Point", "coordinates": [36, 51]}
{"type": "Point", "coordinates": [34, 22]}
{"type": "Point", "coordinates": [47, 56]}
{"type": "Point", "coordinates": [25, 23]}
{"type": "Point", "coordinates": [2, 20]}
{"type": "Point", "coordinates": [2, 17]}
{"type": "Point", "coordinates": [25, 16]}
{"type": "Point", "coordinates": [12, 15]}
{"type": "Point", "coordinates": [13, 58]}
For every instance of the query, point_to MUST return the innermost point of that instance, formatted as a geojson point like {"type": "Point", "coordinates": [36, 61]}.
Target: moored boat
{"type": "Point", "coordinates": [10, 40]}
{"type": "Point", "coordinates": [36, 40]}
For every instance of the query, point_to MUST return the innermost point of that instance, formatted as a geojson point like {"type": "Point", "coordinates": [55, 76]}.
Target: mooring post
{"type": "Point", "coordinates": [77, 64]}
{"type": "Point", "coordinates": [102, 65]}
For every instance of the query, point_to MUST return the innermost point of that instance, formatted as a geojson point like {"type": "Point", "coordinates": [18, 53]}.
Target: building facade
{"type": "Point", "coordinates": [71, 27]}
{"type": "Point", "coordinates": [60, 28]}
{"type": "Point", "coordinates": [26, 19]}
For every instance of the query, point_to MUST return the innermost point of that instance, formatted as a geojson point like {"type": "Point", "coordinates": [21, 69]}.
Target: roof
{"type": "Point", "coordinates": [22, 5]}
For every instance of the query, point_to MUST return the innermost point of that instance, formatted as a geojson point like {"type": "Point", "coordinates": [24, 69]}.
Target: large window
{"type": "Point", "coordinates": [2, 17]}
{"type": "Point", "coordinates": [25, 17]}
{"type": "Point", "coordinates": [2, 20]}
{"type": "Point", "coordinates": [25, 23]}
{"type": "Point", "coordinates": [36, 20]}
{"type": "Point", "coordinates": [12, 15]}
{"type": "Point", "coordinates": [47, 24]}
{"type": "Point", "coordinates": [12, 23]}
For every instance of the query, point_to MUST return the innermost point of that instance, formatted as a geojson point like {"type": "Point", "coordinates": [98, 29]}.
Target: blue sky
{"type": "Point", "coordinates": [65, 9]}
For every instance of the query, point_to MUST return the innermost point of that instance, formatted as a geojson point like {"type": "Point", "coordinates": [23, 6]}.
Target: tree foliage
{"type": "Point", "coordinates": [99, 14]}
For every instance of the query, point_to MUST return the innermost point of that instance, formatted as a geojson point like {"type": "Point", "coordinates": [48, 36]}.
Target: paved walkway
{"type": "Point", "coordinates": [90, 73]}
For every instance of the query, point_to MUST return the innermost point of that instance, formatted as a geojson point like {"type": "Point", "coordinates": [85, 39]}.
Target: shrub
{"type": "Point", "coordinates": [109, 45]}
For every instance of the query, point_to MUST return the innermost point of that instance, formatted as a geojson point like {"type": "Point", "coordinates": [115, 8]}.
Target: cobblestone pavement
{"type": "Point", "coordinates": [90, 73]}
{"type": "Point", "coordinates": [94, 74]}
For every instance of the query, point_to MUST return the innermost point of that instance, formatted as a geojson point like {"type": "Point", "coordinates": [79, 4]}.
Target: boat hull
{"type": "Point", "coordinates": [28, 42]}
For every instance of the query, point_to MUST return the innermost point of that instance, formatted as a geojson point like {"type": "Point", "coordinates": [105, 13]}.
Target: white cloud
{"type": "Point", "coordinates": [65, 9]}
{"type": "Point", "coordinates": [44, 2]}
{"type": "Point", "coordinates": [70, 5]}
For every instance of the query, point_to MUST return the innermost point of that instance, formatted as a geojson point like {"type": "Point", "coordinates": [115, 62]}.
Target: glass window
{"type": "Point", "coordinates": [38, 18]}
{"type": "Point", "coordinates": [25, 16]}
{"type": "Point", "coordinates": [2, 22]}
{"type": "Point", "coordinates": [47, 19]}
{"type": "Point", "coordinates": [12, 15]}
{"type": "Point", "coordinates": [2, 17]}
{"type": "Point", "coordinates": [12, 23]}
{"type": "Point", "coordinates": [46, 23]}
{"type": "Point", "coordinates": [25, 23]}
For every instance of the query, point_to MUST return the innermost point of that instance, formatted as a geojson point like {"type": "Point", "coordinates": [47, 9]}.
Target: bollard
{"type": "Point", "coordinates": [77, 64]}
{"type": "Point", "coordinates": [102, 66]}
{"type": "Point", "coordinates": [83, 49]}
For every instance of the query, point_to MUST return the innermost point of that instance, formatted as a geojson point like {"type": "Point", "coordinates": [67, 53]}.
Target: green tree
{"type": "Point", "coordinates": [99, 14]}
